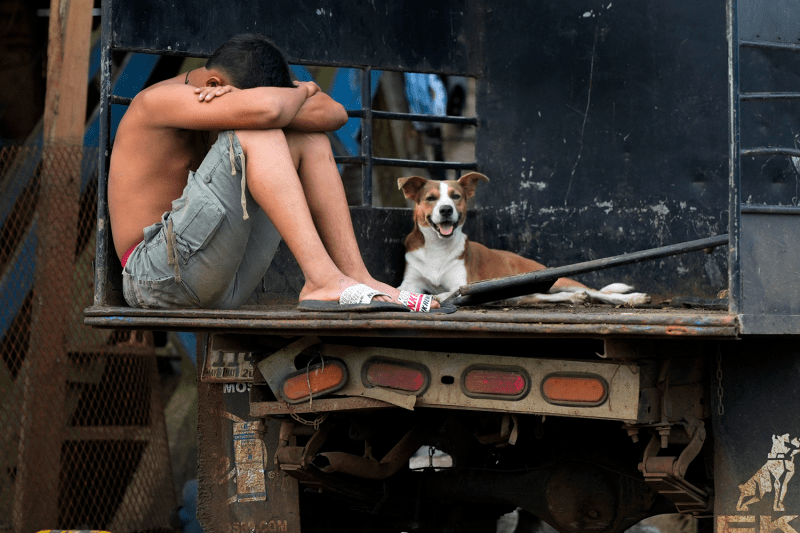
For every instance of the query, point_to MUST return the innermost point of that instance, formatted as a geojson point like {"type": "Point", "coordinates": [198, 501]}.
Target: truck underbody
{"type": "Point", "coordinates": [588, 418]}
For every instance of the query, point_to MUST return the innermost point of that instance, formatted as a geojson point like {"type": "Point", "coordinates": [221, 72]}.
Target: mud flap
{"type": "Point", "coordinates": [240, 489]}
{"type": "Point", "coordinates": [757, 436]}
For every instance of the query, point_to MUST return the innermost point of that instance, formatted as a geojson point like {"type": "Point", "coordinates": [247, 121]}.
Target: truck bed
{"type": "Point", "coordinates": [478, 322]}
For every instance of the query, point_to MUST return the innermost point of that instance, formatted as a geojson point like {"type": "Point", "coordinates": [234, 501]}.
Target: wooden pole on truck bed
{"type": "Point", "coordinates": [43, 373]}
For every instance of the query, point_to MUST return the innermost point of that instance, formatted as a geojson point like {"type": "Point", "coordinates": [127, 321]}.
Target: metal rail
{"type": "Point", "coordinates": [768, 150]}
{"type": "Point", "coordinates": [750, 97]}
{"type": "Point", "coordinates": [787, 47]}
{"type": "Point", "coordinates": [541, 280]}
{"type": "Point", "coordinates": [366, 158]}
{"type": "Point", "coordinates": [771, 209]}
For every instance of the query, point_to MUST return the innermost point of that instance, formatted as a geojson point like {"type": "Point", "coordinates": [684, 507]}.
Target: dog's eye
{"type": "Point", "coordinates": [430, 199]}
{"type": "Point", "coordinates": [456, 197]}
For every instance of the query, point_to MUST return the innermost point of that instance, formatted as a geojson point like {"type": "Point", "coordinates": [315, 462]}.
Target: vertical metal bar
{"type": "Point", "coordinates": [366, 136]}
{"type": "Point", "coordinates": [103, 222]}
{"type": "Point", "coordinates": [734, 168]}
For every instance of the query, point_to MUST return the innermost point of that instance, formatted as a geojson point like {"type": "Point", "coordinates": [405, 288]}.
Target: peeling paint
{"type": "Point", "coordinates": [660, 209]}
{"type": "Point", "coordinates": [607, 204]}
{"type": "Point", "coordinates": [538, 185]}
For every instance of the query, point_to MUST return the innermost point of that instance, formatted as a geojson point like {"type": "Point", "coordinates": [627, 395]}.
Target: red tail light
{"type": "Point", "coordinates": [397, 375]}
{"type": "Point", "coordinates": [506, 383]}
{"type": "Point", "coordinates": [317, 380]}
{"type": "Point", "coordinates": [575, 389]}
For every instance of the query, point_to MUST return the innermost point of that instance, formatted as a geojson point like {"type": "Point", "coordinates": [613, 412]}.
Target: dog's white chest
{"type": "Point", "coordinates": [438, 266]}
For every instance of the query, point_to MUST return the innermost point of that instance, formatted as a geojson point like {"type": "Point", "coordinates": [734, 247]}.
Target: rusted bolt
{"type": "Point", "coordinates": [633, 433]}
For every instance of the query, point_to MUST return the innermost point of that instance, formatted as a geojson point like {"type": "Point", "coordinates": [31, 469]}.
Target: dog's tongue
{"type": "Point", "coordinates": [445, 230]}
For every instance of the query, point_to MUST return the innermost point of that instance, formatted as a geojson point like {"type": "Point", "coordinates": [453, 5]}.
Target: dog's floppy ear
{"type": "Point", "coordinates": [411, 186]}
{"type": "Point", "coordinates": [470, 181]}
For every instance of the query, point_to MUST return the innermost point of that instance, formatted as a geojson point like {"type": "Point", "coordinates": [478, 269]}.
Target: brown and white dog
{"type": "Point", "coordinates": [440, 258]}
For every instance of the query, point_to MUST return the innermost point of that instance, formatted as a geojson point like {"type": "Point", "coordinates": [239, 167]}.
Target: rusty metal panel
{"type": "Point", "coordinates": [240, 488]}
{"type": "Point", "coordinates": [472, 322]}
{"type": "Point", "coordinates": [622, 379]}
{"type": "Point", "coordinates": [84, 443]}
{"type": "Point", "coordinates": [444, 387]}
{"type": "Point", "coordinates": [756, 436]}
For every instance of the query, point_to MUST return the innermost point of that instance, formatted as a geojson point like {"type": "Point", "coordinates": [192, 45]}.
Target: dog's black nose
{"type": "Point", "coordinates": [446, 211]}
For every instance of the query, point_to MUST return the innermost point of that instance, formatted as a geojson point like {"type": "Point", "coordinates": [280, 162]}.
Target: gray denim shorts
{"type": "Point", "coordinates": [212, 249]}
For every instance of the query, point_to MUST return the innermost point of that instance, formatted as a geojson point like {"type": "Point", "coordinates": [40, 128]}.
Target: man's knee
{"type": "Point", "coordinates": [249, 136]}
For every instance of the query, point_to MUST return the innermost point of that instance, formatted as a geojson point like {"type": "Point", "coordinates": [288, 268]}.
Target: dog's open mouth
{"type": "Point", "coordinates": [445, 229]}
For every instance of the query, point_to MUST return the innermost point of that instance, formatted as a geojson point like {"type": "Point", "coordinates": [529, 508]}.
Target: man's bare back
{"type": "Point", "coordinates": [141, 189]}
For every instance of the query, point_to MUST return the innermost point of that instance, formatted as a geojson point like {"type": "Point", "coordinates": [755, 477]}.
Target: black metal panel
{"type": "Point", "coordinates": [421, 35]}
{"type": "Point", "coordinates": [604, 132]}
{"type": "Point", "coordinates": [770, 270]}
{"type": "Point", "coordinates": [769, 20]}
{"type": "Point", "coordinates": [758, 393]}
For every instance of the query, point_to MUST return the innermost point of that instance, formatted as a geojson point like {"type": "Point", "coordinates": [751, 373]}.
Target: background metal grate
{"type": "Point", "coordinates": [84, 442]}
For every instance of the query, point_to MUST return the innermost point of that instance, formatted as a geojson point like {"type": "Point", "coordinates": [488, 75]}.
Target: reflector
{"type": "Point", "coordinates": [318, 379]}
{"type": "Point", "coordinates": [588, 390]}
{"type": "Point", "coordinates": [398, 375]}
{"type": "Point", "coordinates": [508, 383]}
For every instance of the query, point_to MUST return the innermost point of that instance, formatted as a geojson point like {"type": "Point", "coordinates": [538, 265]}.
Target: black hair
{"type": "Point", "coordinates": [251, 60]}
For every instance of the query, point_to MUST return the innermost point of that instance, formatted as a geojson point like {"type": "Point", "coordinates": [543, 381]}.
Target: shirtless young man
{"type": "Point", "coordinates": [207, 241]}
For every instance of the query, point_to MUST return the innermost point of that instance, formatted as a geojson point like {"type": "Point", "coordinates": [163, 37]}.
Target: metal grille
{"type": "Point", "coordinates": [84, 442]}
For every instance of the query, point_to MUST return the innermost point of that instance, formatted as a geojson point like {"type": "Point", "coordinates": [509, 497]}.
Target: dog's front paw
{"type": "Point", "coordinates": [637, 298]}
{"type": "Point", "coordinates": [579, 297]}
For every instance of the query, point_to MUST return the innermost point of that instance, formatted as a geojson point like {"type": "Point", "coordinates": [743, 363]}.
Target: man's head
{"type": "Point", "coordinates": [251, 60]}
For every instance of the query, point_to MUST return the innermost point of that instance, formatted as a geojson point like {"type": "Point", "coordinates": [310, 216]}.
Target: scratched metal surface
{"type": "Point", "coordinates": [756, 437]}
{"type": "Point", "coordinates": [241, 488]}
{"type": "Point", "coordinates": [775, 21]}
{"type": "Point", "coordinates": [592, 321]}
{"type": "Point", "coordinates": [604, 131]}
{"type": "Point", "coordinates": [421, 35]}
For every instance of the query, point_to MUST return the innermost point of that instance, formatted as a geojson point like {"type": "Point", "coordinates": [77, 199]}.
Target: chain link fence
{"type": "Point", "coordinates": [83, 442]}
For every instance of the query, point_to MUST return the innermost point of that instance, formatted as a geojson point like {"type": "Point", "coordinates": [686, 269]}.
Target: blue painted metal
{"type": "Point", "coordinates": [18, 280]}
{"type": "Point", "coordinates": [346, 89]}
{"type": "Point", "coordinates": [136, 71]}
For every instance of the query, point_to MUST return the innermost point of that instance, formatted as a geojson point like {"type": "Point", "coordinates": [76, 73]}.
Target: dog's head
{"type": "Point", "coordinates": [440, 205]}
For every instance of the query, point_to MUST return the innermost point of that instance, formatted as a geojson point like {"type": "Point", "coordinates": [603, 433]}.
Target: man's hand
{"type": "Point", "coordinates": [311, 87]}
{"type": "Point", "coordinates": [206, 94]}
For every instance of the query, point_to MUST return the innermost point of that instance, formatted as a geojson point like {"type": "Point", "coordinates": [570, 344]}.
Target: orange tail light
{"type": "Point", "coordinates": [397, 375]}
{"type": "Point", "coordinates": [502, 383]}
{"type": "Point", "coordinates": [315, 381]}
{"type": "Point", "coordinates": [575, 389]}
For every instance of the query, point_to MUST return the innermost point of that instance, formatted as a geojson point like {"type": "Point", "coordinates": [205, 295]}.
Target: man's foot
{"type": "Point", "coordinates": [332, 290]}
{"type": "Point", "coordinates": [413, 302]}
{"type": "Point", "coordinates": [355, 298]}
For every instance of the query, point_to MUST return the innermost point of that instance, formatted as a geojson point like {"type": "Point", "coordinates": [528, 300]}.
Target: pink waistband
{"type": "Point", "coordinates": [128, 253]}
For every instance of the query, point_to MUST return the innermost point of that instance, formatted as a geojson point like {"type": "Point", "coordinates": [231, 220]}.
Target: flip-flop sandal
{"type": "Point", "coordinates": [421, 303]}
{"type": "Point", "coordinates": [357, 298]}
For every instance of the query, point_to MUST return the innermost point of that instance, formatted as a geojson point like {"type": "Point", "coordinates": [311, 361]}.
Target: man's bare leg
{"type": "Point", "coordinates": [273, 181]}
{"type": "Point", "coordinates": [324, 192]}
